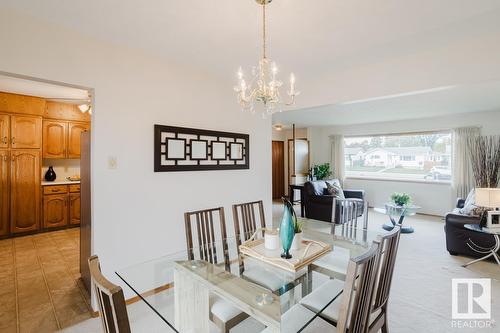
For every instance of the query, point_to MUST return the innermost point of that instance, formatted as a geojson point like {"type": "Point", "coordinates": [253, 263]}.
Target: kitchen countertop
{"type": "Point", "coordinates": [60, 182]}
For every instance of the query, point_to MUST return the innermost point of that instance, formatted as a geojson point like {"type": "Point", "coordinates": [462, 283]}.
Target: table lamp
{"type": "Point", "coordinates": [490, 198]}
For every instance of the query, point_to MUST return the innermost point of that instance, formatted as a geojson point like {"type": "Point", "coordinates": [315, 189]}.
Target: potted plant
{"type": "Point", "coordinates": [401, 199]}
{"type": "Point", "coordinates": [322, 171]}
{"type": "Point", "coordinates": [297, 238]}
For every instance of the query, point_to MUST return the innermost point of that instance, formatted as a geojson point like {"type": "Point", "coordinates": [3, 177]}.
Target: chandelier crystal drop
{"type": "Point", "coordinates": [264, 86]}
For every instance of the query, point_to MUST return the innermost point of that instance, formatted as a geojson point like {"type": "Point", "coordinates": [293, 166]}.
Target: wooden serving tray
{"type": "Point", "coordinates": [309, 251]}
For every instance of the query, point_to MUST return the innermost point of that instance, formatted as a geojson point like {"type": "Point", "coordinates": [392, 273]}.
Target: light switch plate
{"type": "Point", "coordinates": [112, 163]}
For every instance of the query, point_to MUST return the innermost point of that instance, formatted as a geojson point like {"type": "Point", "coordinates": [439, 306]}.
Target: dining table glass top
{"type": "Point", "coordinates": [182, 287]}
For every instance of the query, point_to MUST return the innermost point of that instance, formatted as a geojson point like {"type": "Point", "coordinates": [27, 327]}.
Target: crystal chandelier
{"type": "Point", "coordinates": [264, 86]}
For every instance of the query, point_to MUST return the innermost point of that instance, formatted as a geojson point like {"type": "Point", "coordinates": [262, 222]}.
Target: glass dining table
{"type": "Point", "coordinates": [181, 292]}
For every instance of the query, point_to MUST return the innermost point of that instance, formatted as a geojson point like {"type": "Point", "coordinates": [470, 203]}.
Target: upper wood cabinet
{"type": "Point", "coordinates": [13, 103]}
{"type": "Point", "coordinates": [74, 132]}
{"type": "Point", "coordinates": [25, 191]}
{"type": "Point", "coordinates": [4, 130]}
{"type": "Point", "coordinates": [26, 132]}
{"type": "Point", "coordinates": [4, 192]}
{"type": "Point", "coordinates": [61, 139]}
{"type": "Point", "coordinates": [55, 210]}
{"type": "Point", "coordinates": [54, 139]}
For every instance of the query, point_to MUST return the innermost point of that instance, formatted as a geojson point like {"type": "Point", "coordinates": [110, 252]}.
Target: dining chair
{"type": "Point", "coordinates": [245, 217]}
{"type": "Point", "coordinates": [354, 300]}
{"type": "Point", "coordinates": [203, 223]}
{"type": "Point", "coordinates": [110, 300]}
{"type": "Point", "coordinates": [345, 226]}
{"type": "Point", "coordinates": [248, 217]}
{"type": "Point", "coordinates": [388, 246]}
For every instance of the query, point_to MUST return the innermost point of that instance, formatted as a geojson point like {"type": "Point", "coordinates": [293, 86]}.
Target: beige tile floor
{"type": "Point", "coordinates": [40, 290]}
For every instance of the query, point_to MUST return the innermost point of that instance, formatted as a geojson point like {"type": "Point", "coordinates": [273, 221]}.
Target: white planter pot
{"type": "Point", "coordinates": [297, 242]}
{"type": "Point", "coordinates": [271, 240]}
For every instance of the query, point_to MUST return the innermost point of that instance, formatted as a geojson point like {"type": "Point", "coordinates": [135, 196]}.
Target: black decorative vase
{"type": "Point", "coordinates": [50, 175]}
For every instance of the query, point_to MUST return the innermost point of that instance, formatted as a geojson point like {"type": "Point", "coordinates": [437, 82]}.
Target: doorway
{"type": "Point", "coordinates": [42, 124]}
{"type": "Point", "coordinates": [278, 169]}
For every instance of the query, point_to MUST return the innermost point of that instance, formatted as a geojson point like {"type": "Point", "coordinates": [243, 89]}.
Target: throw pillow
{"type": "Point", "coordinates": [335, 190]}
{"type": "Point", "coordinates": [469, 204]}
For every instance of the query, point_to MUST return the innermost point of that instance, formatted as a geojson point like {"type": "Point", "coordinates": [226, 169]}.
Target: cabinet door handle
{"type": "Point", "coordinates": [54, 190]}
{"type": "Point", "coordinates": [5, 158]}
{"type": "Point", "coordinates": [4, 139]}
{"type": "Point", "coordinates": [13, 141]}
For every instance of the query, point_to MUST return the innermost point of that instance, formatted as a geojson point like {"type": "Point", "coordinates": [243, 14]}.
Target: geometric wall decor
{"type": "Point", "coordinates": [191, 149]}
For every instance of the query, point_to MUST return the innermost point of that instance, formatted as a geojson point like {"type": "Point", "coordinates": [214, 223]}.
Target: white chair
{"type": "Point", "coordinates": [354, 303]}
{"type": "Point", "coordinates": [315, 301]}
{"type": "Point", "coordinates": [222, 313]}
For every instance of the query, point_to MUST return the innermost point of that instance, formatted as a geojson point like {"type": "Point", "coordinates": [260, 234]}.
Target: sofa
{"type": "Point", "coordinates": [318, 203]}
{"type": "Point", "coordinates": [457, 236]}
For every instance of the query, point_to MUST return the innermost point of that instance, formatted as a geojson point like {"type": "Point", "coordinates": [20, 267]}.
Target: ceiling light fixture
{"type": "Point", "coordinates": [84, 108]}
{"type": "Point", "coordinates": [264, 87]}
{"type": "Point", "coordinates": [278, 127]}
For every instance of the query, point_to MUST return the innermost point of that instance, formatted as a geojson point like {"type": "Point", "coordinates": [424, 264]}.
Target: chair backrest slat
{"type": "Point", "coordinates": [110, 300]}
{"type": "Point", "coordinates": [389, 244]}
{"type": "Point", "coordinates": [355, 306]}
{"type": "Point", "coordinates": [206, 235]}
{"type": "Point", "coordinates": [245, 215]}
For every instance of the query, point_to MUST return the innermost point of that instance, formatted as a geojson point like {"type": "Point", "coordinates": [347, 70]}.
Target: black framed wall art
{"type": "Point", "coordinates": [192, 149]}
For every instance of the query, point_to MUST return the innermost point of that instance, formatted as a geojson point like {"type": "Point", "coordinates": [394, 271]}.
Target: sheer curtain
{"type": "Point", "coordinates": [337, 159]}
{"type": "Point", "coordinates": [463, 177]}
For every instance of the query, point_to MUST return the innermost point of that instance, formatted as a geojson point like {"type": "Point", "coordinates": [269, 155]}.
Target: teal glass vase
{"type": "Point", "coordinates": [287, 228]}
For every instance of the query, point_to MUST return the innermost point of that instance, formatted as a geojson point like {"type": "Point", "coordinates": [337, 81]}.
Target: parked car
{"type": "Point", "coordinates": [439, 173]}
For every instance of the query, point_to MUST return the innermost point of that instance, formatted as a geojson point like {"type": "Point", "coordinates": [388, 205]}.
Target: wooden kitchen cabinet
{"type": "Point", "coordinates": [55, 210]}
{"type": "Point", "coordinates": [74, 208]}
{"type": "Point", "coordinates": [4, 192]}
{"type": "Point", "coordinates": [4, 130]}
{"type": "Point", "coordinates": [26, 132]}
{"type": "Point", "coordinates": [61, 205]}
{"type": "Point", "coordinates": [74, 132]}
{"type": "Point", "coordinates": [54, 138]}
{"type": "Point", "coordinates": [61, 139]}
{"type": "Point", "coordinates": [25, 190]}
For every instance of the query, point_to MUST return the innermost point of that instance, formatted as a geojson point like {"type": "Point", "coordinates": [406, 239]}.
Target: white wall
{"type": "Point", "coordinates": [435, 199]}
{"type": "Point", "coordinates": [137, 214]}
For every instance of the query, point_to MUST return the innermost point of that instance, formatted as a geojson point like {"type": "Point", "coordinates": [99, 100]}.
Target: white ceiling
{"type": "Point", "coordinates": [316, 39]}
{"type": "Point", "coordinates": [42, 89]}
{"type": "Point", "coordinates": [437, 101]}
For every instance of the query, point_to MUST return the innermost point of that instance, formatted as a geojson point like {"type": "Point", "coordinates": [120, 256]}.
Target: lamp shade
{"type": "Point", "coordinates": [488, 197]}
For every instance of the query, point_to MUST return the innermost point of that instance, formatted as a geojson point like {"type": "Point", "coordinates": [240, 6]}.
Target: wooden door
{"type": "Point", "coordinates": [26, 132]}
{"type": "Point", "coordinates": [278, 169]}
{"type": "Point", "coordinates": [74, 132]}
{"type": "Point", "coordinates": [74, 208]}
{"type": "Point", "coordinates": [55, 210]}
{"type": "Point", "coordinates": [25, 191]}
{"type": "Point", "coordinates": [4, 192]}
{"type": "Point", "coordinates": [54, 139]}
{"type": "Point", "coordinates": [4, 130]}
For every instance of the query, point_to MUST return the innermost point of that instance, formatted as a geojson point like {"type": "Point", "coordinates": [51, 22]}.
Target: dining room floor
{"type": "Point", "coordinates": [420, 299]}
{"type": "Point", "coordinates": [39, 278]}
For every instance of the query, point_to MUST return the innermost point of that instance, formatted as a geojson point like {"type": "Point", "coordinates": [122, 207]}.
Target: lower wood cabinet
{"type": "Point", "coordinates": [61, 205]}
{"type": "Point", "coordinates": [55, 210]}
{"type": "Point", "coordinates": [74, 208]}
{"type": "Point", "coordinates": [4, 192]}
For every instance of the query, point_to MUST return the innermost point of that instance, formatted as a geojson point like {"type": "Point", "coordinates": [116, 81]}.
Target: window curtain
{"type": "Point", "coordinates": [337, 159]}
{"type": "Point", "coordinates": [463, 177]}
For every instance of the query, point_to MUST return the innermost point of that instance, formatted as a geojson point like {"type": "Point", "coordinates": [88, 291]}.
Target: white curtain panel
{"type": "Point", "coordinates": [463, 177]}
{"type": "Point", "coordinates": [337, 160]}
